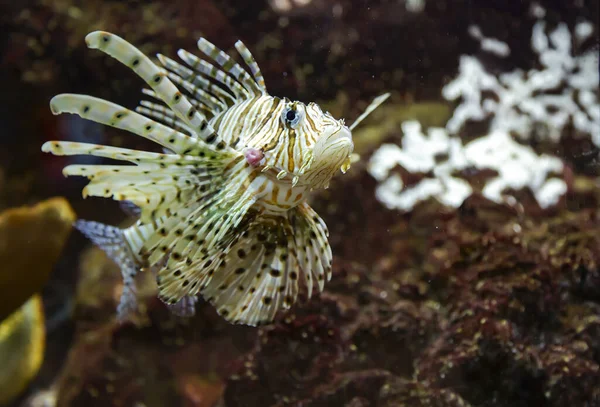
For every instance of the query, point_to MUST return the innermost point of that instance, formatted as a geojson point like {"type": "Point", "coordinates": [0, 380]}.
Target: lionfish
{"type": "Point", "coordinates": [222, 209]}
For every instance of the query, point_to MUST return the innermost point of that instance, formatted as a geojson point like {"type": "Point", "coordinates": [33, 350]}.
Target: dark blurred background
{"type": "Point", "coordinates": [339, 52]}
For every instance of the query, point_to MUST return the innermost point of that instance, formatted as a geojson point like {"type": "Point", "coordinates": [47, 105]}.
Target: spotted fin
{"type": "Point", "coordinates": [156, 194]}
{"type": "Point", "coordinates": [313, 250]}
{"type": "Point", "coordinates": [249, 60]}
{"type": "Point", "coordinates": [112, 241]}
{"type": "Point", "coordinates": [201, 91]}
{"type": "Point", "coordinates": [197, 80]}
{"type": "Point", "coordinates": [164, 114]}
{"type": "Point", "coordinates": [258, 268]}
{"type": "Point", "coordinates": [112, 114]}
{"type": "Point", "coordinates": [199, 228]}
{"type": "Point", "coordinates": [132, 57]}
{"type": "Point", "coordinates": [230, 66]}
{"type": "Point", "coordinates": [208, 69]}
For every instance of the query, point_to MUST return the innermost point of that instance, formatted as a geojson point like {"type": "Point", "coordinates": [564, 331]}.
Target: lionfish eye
{"type": "Point", "coordinates": [290, 116]}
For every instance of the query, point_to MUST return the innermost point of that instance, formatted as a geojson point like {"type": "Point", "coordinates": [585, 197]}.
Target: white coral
{"type": "Point", "coordinates": [565, 89]}
{"type": "Point", "coordinates": [518, 167]}
{"type": "Point", "coordinates": [525, 100]}
{"type": "Point", "coordinates": [418, 155]}
{"type": "Point", "coordinates": [491, 45]}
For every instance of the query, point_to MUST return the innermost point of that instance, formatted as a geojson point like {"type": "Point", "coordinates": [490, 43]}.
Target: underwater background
{"type": "Point", "coordinates": [466, 241]}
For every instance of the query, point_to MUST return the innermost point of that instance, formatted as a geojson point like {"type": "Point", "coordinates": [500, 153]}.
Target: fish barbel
{"type": "Point", "coordinates": [222, 210]}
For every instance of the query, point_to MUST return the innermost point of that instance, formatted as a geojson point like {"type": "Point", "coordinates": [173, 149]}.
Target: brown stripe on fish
{"type": "Point", "coordinates": [311, 124]}
{"type": "Point", "coordinates": [233, 162]}
{"type": "Point", "coordinates": [290, 149]}
{"type": "Point", "coordinates": [262, 187]}
{"type": "Point", "coordinates": [267, 117]}
{"type": "Point", "coordinates": [275, 139]}
{"type": "Point", "coordinates": [217, 122]}
{"type": "Point", "coordinates": [245, 114]}
{"type": "Point", "coordinates": [275, 193]}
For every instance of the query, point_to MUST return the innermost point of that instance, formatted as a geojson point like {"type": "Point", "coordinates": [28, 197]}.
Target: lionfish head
{"type": "Point", "coordinates": [329, 153]}
{"type": "Point", "coordinates": [307, 146]}
{"type": "Point", "coordinates": [310, 145]}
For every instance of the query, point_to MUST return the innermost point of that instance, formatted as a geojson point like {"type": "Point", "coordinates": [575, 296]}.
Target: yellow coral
{"type": "Point", "coordinates": [31, 239]}
{"type": "Point", "coordinates": [21, 348]}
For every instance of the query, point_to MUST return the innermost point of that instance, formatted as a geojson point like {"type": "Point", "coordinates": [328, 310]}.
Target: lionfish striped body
{"type": "Point", "coordinates": [222, 210]}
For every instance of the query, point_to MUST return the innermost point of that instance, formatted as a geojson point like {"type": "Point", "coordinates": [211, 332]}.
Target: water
{"type": "Point", "coordinates": [466, 240]}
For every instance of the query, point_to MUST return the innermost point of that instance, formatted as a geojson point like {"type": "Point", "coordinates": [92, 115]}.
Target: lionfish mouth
{"type": "Point", "coordinates": [280, 175]}
{"type": "Point", "coordinates": [303, 176]}
{"type": "Point", "coordinates": [333, 154]}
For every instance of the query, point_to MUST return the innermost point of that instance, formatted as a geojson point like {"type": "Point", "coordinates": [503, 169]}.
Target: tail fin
{"type": "Point", "coordinates": [111, 240]}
